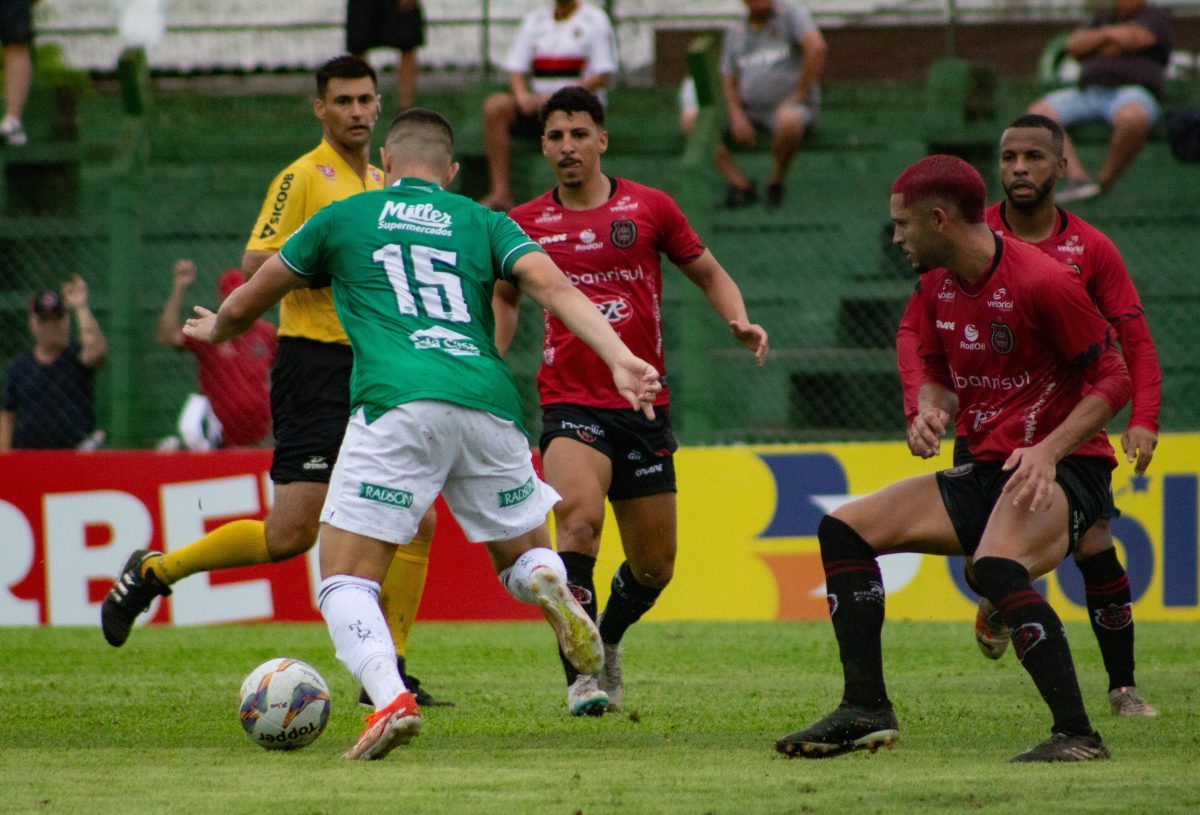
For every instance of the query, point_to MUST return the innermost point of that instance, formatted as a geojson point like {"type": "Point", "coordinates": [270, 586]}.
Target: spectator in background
{"type": "Point", "coordinates": [16, 33]}
{"type": "Point", "coordinates": [771, 63]}
{"type": "Point", "coordinates": [569, 44]}
{"type": "Point", "coordinates": [391, 23]}
{"type": "Point", "coordinates": [1123, 54]}
{"type": "Point", "coordinates": [47, 399]}
{"type": "Point", "coordinates": [234, 377]}
{"type": "Point", "coordinates": [689, 106]}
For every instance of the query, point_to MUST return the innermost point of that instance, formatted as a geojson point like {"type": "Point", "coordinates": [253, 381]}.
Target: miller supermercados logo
{"type": "Point", "coordinates": [623, 234]}
{"type": "Point", "coordinates": [1001, 338]}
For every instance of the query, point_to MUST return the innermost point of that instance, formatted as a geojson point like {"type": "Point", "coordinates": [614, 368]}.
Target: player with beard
{"type": "Point", "coordinates": [607, 234]}
{"type": "Point", "coordinates": [1031, 161]}
{"type": "Point", "coordinates": [1009, 338]}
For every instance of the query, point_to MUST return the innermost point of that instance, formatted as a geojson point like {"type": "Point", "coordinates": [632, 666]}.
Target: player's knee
{"type": "Point", "coordinates": [1096, 540]}
{"type": "Point", "coordinates": [427, 526]}
{"type": "Point", "coordinates": [654, 575]}
{"type": "Point", "coordinates": [652, 566]}
{"type": "Point", "coordinates": [579, 532]}
{"type": "Point", "coordinates": [287, 539]}
{"type": "Point", "coordinates": [998, 577]}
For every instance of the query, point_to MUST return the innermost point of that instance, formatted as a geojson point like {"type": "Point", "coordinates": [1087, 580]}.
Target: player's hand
{"type": "Point", "coordinates": [75, 293]}
{"type": "Point", "coordinates": [740, 128]}
{"type": "Point", "coordinates": [752, 336]}
{"type": "Point", "coordinates": [1033, 478]}
{"type": "Point", "coordinates": [638, 382]}
{"type": "Point", "coordinates": [926, 431]}
{"type": "Point", "coordinates": [203, 326]}
{"type": "Point", "coordinates": [1138, 443]}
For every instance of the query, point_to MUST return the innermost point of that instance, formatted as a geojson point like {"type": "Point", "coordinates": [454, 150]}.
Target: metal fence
{"type": "Point", "coordinates": [185, 179]}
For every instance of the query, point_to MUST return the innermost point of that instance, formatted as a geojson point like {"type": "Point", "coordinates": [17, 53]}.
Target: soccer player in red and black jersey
{"type": "Point", "coordinates": [1011, 341]}
{"type": "Point", "coordinates": [606, 234]}
{"type": "Point", "coordinates": [1031, 160]}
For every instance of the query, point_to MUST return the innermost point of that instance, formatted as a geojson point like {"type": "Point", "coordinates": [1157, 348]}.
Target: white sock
{"type": "Point", "coordinates": [360, 634]}
{"type": "Point", "coordinates": [516, 577]}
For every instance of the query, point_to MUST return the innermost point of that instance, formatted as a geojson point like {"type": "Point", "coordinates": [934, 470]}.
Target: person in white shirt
{"type": "Point", "coordinates": [566, 43]}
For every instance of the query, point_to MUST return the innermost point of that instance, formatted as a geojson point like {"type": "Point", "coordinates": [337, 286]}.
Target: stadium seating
{"type": "Point", "coordinates": [818, 273]}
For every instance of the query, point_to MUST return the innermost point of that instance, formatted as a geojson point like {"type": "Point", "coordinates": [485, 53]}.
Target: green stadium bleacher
{"type": "Point", "coordinates": [818, 273]}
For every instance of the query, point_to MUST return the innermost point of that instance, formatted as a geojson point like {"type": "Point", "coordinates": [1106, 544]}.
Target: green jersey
{"type": "Point", "coordinates": [413, 268]}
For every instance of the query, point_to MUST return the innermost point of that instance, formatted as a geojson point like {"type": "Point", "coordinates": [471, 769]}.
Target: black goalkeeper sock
{"type": "Point", "coordinates": [1038, 639]}
{"type": "Point", "coordinates": [856, 604]}
{"type": "Point", "coordinates": [627, 602]}
{"type": "Point", "coordinates": [580, 568]}
{"type": "Point", "coordinates": [1110, 609]}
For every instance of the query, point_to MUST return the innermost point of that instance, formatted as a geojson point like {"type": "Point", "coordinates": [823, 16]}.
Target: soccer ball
{"type": "Point", "coordinates": [284, 704]}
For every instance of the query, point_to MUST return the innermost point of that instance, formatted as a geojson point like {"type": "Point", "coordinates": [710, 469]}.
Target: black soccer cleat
{"type": "Point", "coordinates": [414, 686]}
{"type": "Point", "coordinates": [1066, 747]}
{"type": "Point", "coordinates": [846, 729]}
{"type": "Point", "coordinates": [129, 597]}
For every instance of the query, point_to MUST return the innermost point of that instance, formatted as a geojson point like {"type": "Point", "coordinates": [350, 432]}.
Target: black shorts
{"type": "Point", "coordinates": [16, 26]}
{"type": "Point", "coordinates": [962, 455]}
{"type": "Point", "coordinates": [380, 23]}
{"type": "Point", "coordinates": [640, 449]}
{"type": "Point", "coordinates": [970, 492]}
{"type": "Point", "coordinates": [310, 405]}
{"type": "Point", "coordinates": [527, 126]}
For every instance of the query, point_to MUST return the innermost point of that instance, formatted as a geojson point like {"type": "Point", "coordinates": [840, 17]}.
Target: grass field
{"type": "Point", "coordinates": [152, 727]}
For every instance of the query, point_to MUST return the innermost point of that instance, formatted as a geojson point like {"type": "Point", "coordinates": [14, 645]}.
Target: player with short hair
{"type": "Point", "coordinates": [435, 408]}
{"type": "Point", "coordinates": [310, 382]}
{"type": "Point", "coordinates": [607, 235]}
{"type": "Point", "coordinates": [1010, 339]}
{"type": "Point", "coordinates": [1031, 160]}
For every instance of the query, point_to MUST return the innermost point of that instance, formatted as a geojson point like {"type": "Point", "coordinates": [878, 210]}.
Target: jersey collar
{"type": "Point", "coordinates": [412, 182]}
{"type": "Point", "coordinates": [612, 190]}
{"type": "Point", "coordinates": [1062, 218]}
{"type": "Point", "coordinates": [976, 287]}
{"type": "Point", "coordinates": [326, 153]}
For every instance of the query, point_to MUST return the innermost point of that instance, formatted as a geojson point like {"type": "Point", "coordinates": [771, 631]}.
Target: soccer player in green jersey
{"type": "Point", "coordinates": [434, 406]}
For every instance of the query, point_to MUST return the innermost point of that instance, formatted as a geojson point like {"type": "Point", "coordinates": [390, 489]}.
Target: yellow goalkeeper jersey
{"type": "Point", "coordinates": [306, 185]}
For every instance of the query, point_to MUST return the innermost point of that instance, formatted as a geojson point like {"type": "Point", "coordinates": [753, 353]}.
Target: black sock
{"type": "Point", "coordinates": [1110, 609]}
{"type": "Point", "coordinates": [856, 603]}
{"type": "Point", "coordinates": [969, 577]}
{"type": "Point", "coordinates": [627, 602]}
{"type": "Point", "coordinates": [580, 568]}
{"type": "Point", "coordinates": [1038, 640]}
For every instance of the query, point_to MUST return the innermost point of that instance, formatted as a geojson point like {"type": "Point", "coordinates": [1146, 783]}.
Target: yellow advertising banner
{"type": "Point", "coordinates": [748, 548]}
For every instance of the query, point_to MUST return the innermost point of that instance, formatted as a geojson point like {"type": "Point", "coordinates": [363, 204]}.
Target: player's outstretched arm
{"type": "Point", "coordinates": [636, 380]}
{"type": "Point", "coordinates": [725, 297]}
{"type": "Point", "coordinates": [245, 305]}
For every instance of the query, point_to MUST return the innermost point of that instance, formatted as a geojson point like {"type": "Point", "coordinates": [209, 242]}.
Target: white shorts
{"type": "Point", "coordinates": [389, 472]}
